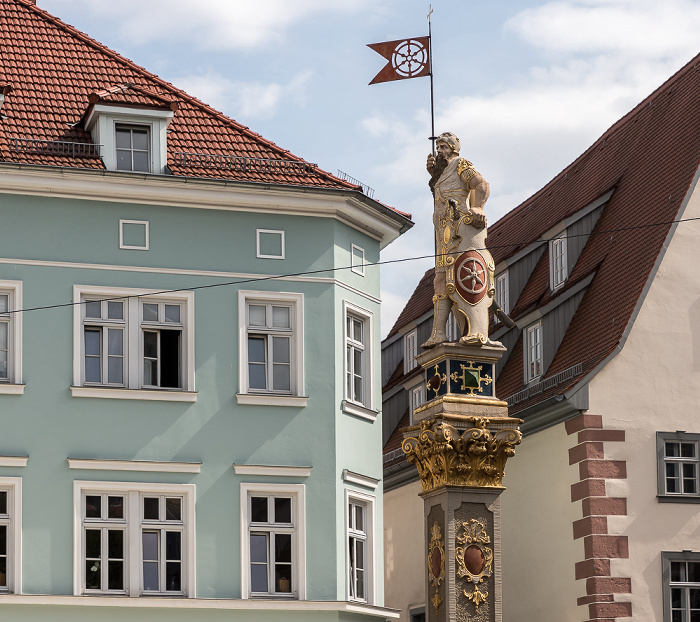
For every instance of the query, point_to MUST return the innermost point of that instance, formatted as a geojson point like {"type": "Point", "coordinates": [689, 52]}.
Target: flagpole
{"type": "Point", "coordinates": [432, 100]}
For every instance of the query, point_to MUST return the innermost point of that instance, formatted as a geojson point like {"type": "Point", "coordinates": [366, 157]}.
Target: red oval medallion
{"type": "Point", "coordinates": [471, 276]}
{"type": "Point", "coordinates": [436, 562]}
{"type": "Point", "coordinates": [474, 559]}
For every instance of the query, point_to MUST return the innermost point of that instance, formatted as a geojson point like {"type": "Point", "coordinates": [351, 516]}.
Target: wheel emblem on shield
{"type": "Point", "coordinates": [471, 276]}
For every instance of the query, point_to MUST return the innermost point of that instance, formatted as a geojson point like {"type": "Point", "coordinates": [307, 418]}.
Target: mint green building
{"type": "Point", "coordinates": [189, 354]}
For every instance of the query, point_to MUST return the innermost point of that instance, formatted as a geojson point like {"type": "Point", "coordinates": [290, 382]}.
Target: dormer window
{"type": "Point", "coordinates": [558, 272]}
{"type": "Point", "coordinates": [133, 148]}
{"type": "Point", "coordinates": [410, 351]}
{"type": "Point", "coordinates": [502, 292]}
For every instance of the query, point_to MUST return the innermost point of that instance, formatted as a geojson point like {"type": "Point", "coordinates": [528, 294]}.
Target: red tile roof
{"type": "Point", "coordinates": [649, 158]}
{"type": "Point", "coordinates": [56, 73]}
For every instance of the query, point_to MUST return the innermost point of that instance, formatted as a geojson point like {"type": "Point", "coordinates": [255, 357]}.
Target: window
{"type": "Point", "coordinates": [134, 235]}
{"type": "Point", "coordinates": [359, 384]}
{"type": "Point", "coordinates": [357, 261]}
{"type": "Point", "coordinates": [269, 244]}
{"type": "Point", "coordinates": [681, 580]}
{"type": "Point", "coordinates": [452, 328]}
{"type": "Point", "coordinates": [557, 262]}
{"type": "Point", "coordinates": [134, 539]}
{"type": "Point", "coordinates": [273, 540]}
{"type": "Point", "coordinates": [360, 546]}
{"type": "Point", "coordinates": [534, 352]}
{"type": "Point", "coordinates": [10, 535]}
{"type": "Point", "coordinates": [10, 337]}
{"type": "Point", "coordinates": [133, 148]}
{"type": "Point", "coordinates": [417, 614]}
{"type": "Point", "coordinates": [678, 467]}
{"type": "Point", "coordinates": [130, 339]}
{"type": "Point", "coordinates": [410, 351]}
{"type": "Point", "coordinates": [502, 292]}
{"type": "Point", "coordinates": [417, 399]}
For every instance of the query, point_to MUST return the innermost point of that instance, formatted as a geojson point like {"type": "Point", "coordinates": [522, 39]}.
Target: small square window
{"type": "Point", "coordinates": [678, 467]}
{"type": "Point", "coordinates": [357, 261]}
{"type": "Point", "coordinates": [270, 244]}
{"type": "Point", "coordinates": [133, 235]}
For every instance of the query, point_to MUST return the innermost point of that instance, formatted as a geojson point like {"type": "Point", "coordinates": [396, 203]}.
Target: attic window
{"type": "Point", "coordinates": [133, 148]}
{"type": "Point", "coordinates": [558, 272]}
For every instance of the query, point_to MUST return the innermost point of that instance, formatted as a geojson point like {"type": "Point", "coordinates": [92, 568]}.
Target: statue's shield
{"type": "Point", "coordinates": [471, 276]}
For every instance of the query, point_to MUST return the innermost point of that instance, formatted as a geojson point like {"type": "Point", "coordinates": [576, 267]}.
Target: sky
{"type": "Point", "coordinates": [526, 85]}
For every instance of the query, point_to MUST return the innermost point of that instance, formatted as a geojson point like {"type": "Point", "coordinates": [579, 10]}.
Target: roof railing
{"type": "Point", "coordinates": [55, 147]}
{"type": "Point", "coordinates": [369, 192]}
{"type": "Point", "coordinates": [562, 376]}
{"type": "Point", "coordinates": [389, 456]}
{"type": "Point", "coordinates": [243, 164]}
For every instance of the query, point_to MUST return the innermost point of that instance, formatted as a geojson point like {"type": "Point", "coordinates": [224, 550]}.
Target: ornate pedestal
{"type": "Point", "coordinates": [460, 446]}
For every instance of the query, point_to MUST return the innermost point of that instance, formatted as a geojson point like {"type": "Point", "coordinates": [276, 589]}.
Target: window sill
{"type": "Point", "coordinates": [678, 498]}
{"type": "Point", "coordinates": [271, 400]}
{"type": "Point", "coordinates": [134, 394]}
{"type": "Point", "coordinates": [11, 389]}
{"type": "Point", "coordinates": [358, 410]}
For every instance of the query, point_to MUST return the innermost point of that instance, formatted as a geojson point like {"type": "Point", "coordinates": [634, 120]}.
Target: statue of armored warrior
{"type": "Point", "coordinates": [464, 269]}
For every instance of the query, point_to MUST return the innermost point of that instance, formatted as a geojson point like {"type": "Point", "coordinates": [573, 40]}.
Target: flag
{"type": "Point", "coordinates": [408, 58]}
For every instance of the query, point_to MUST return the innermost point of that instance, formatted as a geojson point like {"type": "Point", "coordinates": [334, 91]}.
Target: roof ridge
{"type": "Point", "coordinates": [28, 4]}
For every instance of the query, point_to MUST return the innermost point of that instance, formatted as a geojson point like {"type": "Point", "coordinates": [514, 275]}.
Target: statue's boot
{"type": "Point", "coordinates": [441, 311]}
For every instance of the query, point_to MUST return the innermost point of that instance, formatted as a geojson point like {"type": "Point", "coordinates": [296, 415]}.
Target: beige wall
{"type": "Point", "coordinates": [654, 385]}
{"type": "Point", "coordinates": [404, 557]}
{"type": "Point", "coordinates": [539, 551]}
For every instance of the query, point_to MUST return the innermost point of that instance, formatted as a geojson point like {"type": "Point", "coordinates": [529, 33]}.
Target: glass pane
{"type": "Point", "coordinates": [3, 502]}
{"type": "Point", "coordinates": [283, 547]}
{"type": "Point", "coordinates": [3, 541]}
{"type": "Point", "coordinates": [281, 378]}
{"type": "Point", "coordinates": [3, 335]}
{"type": "Point", "coordinates": [141, 161]}
{"type": "Point", "coordinates": [281, 317]}
{"type": "Point", "coordinates": [93, 308]}
{"type": "Point", "coordinates": [256, 349]}
{"type": "Point", "coordinates": [115, 342]}
{"type": "Point", "coordinates": [672, 450]}
{"type": "Point", "coordinates": [92, 369]}
{"type": "Point", "coordinates": [677, 571]}
{"type": "Point", "coordinates": [358, 397]}
{"type": "Point", "coordinates": [150, 312]}
{"type": "Point", "coordinates": [358, 356]}
{"type": "Point", "coordinates": [359, 554]}
{"type": "Point", "coordinates": [150, 344]}
{"type": "Point", "coordinates": [280, 349]}
{"type": "Point", "coordinates": [3, 364]}
{"type": "Point", "coordinates": [173, 577]}
{"type": "Point", "coordinates": [256, 315]}
{"type": "Point", "coordinates": [688, 450]}
{"type": "Point", "coordinates": [92, 574]}
{"type": "Point", "coordinates": [258, 578]}
{"type": "Point", "coordinates": [676, 598]}
{"type": "Point", "coordinates": [258, 509]}
{"type": "Point", "coordinates": [359, 518]}
{"type": "Point", "coordinates": [258, 548]}
{"type": "Point", "coordinates": [358, 331]}
{"type": "Point", "coordinates": [92, 342]}
{"type": "Point", "coordinates": [173, 548]}
{"type": "Point", "coordinates": [694, 572]}
{"type": "Point", "coordinates": [283, 510]}
{"type": "Point", "coordinates": [360, 584]}
{"type": "Point", "coordinates": [150, 373]}
{"type": "Point", "coordinates": [115, 542]}
{"type": "Point", "coordinates": [93, 543]}
{"type": "Point", "coordinates": [4, 303]}
{"type": "Point", "coordinates": [115, 507]}
{"type": "Point", "coordinates": [115, 572]}
{"type": "Point", "coordinates": [150, 508]}
{"type": "Point", "coordinates": [172, 313]}
{"type": "Point", "coordinates": [694, 599]}
{"type": "Point", "coordinates": [115, 370]}
{"type": "Point", "coordinates": [115, 310]}
{"type": "Point", "coordinates": [123, 138]}
{"type": "Point", "coordinates": [173, 509]}
{"type": "Point", "coordinates": [93, 506]}
{"type": "Point", "coordinates": [140, 139]}
{"type": "Point", "coordinates": [3, 571]}
{"type": "Point", "coordinates": [150, 576]}
{"type": "Point", "coordinates": [256, 376]}
{"type": "Point", "coordinates": [150, 545]}
{"type": "Point", "coordinates": [123, 160]}
{"type": "Point", "coordinates": [283, 578]}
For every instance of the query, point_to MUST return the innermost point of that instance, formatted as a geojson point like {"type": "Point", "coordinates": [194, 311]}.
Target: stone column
{"type": "Point", "coordinates": [460, 446]}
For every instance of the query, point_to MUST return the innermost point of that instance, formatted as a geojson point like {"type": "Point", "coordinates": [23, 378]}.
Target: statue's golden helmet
{"type": "Point", "coordinates": [450, 139]}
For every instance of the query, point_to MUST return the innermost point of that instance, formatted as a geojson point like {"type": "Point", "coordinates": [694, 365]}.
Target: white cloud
{"type": "Point", "coordinates": [245, 100]}
{"type": "Point", "coordinates": [206, 24]}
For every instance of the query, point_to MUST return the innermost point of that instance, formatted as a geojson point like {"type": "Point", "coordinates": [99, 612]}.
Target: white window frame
{"type": "Point", "coordinates": [354, 266]}
{"type": "Point", "coordinates": [298, 494]}
{"type": "Point", "coordinates": [13, 383]}
{"type": "Point", "coordinates": [410, 350]}
{"type": "Point", "coordinates": [367, 318]}
{"type": "Point", "coordinates": [417, 399]}
{"type": "Point", "coordinates": [102, 123]}
{"type": "Point", "coordinates": [13, 521]}
{"type": "Point", "coordinates": [533, 345]}
{"type": "Point", "coordinates": [371, 574]}
{"type": "Point", "coordinates": [558, 266]}
{"type": "Point", "coordinates": [133, 523]}
{"type": "Point", "coordinates": [296, 397]}
{"type": "Point", "coordinates": [261, 255]}
{"type": "Point", "coordinates": [683, 463]}
{"type": "Point", "coordinates": [123, 246]}
{"type": "Point", "coordinates": [133, 386]}
{"type": "Point", "coordinates": [502, 298]}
